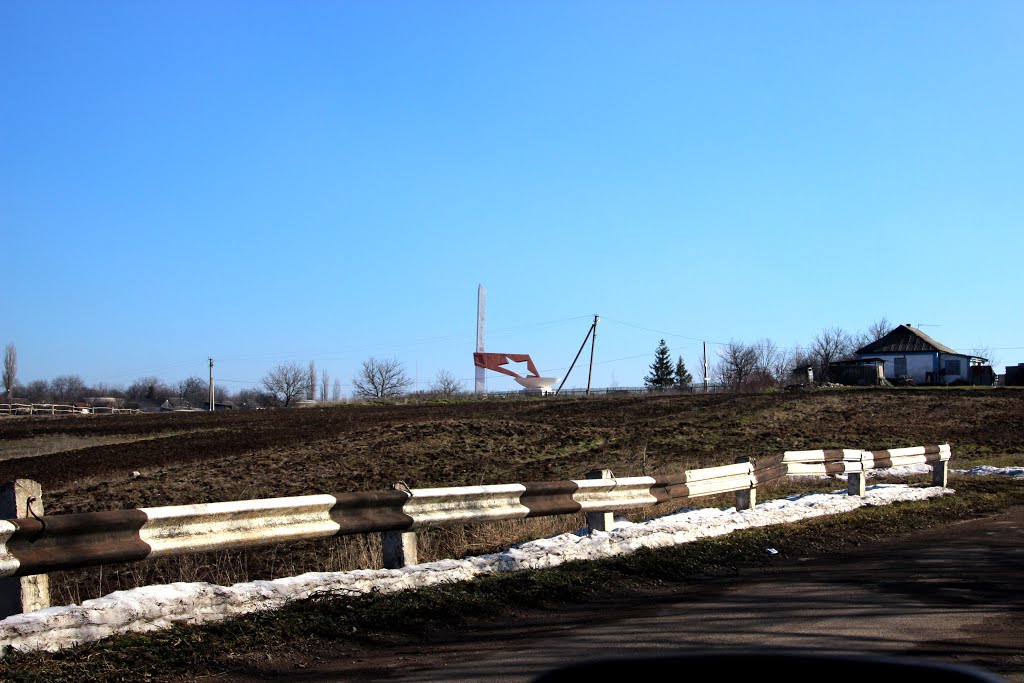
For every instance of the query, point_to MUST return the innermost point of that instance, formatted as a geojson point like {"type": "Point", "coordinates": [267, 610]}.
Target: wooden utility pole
{"type": "Point", "coordinates": [593, 340]}
{"type": "Point", "coordinates": [211, 386]}
{"type": "Point", "coordinates": [591, 331]}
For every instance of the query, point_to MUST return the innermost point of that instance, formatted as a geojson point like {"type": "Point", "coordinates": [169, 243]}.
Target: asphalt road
{"type": "Point", "coordinates": [950, 594]}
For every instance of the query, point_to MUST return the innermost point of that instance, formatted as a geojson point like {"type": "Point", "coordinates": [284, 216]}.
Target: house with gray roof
{"type": "Point", "coordinates": [909, 353]}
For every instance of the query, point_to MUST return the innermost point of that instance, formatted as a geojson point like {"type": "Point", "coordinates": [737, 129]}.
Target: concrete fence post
{"type": "Point", "coordinates": [940, 473]}
{"type": "Point", "coordinates": [25, 593]}
{"type": "Point", "coordinates": [746, 499]}
{"type": "Point", "coordinates": [856, 482]}
{"type": "Point", "coordinates": [399, 549]}
{"type": "Point", "coordinates": [600, 521]}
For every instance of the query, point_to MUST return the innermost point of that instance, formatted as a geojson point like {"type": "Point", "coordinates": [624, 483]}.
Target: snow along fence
{"type": "Point", "coordinates": [32, 543]}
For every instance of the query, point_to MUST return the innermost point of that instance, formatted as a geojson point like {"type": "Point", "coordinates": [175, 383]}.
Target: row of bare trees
{"type": "Point", "coordinates": [281, 386]}
{"type": "Point", "coordinates": [764, 364]}
{"type": "Point", "coordinates": [376, 378]}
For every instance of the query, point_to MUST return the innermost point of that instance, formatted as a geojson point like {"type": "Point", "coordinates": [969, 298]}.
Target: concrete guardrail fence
{"type": "Point", "coordinates": [32, 543]}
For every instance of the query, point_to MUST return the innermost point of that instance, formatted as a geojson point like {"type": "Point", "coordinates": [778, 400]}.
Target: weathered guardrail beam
{"type": "Point", "coordinates": [32, 545]}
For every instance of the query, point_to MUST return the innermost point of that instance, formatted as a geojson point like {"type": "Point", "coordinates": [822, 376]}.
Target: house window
{"type": "Point", "coordinates": [952, 367]}
{"type": "Point", "coordinates": [900, 366]}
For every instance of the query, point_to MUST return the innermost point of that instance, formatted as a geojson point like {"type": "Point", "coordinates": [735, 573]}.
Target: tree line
{"type": "Point", "coordinates": [283, 385]}
{"type": "Point", "coordinates": [736, 365]}
{"type": "Point", "coordinates": [763, 364]}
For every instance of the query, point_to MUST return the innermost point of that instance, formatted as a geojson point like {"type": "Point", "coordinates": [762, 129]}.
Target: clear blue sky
{"type": "Point", "coordinates": [274, 181]}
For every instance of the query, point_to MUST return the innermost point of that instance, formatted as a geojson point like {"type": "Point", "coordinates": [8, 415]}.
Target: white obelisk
{"type": "Point", "coordinates": [481, 306]}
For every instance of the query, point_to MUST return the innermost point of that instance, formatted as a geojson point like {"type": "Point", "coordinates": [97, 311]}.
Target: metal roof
{"type": "Point", "coordinates": [906, 339]}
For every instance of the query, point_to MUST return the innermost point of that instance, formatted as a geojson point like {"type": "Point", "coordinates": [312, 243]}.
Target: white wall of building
{"type": "Point", "coordinates": [921, 365]}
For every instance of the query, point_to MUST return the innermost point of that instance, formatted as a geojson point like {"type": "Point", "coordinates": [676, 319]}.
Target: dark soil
{"type": "Point", "coordinates": [225, 456]}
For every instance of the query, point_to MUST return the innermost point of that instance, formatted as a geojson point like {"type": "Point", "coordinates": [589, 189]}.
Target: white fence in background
{"type": "Point", "coordinates": [59, 409]}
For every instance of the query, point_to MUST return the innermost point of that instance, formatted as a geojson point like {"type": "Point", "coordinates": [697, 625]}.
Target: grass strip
{"type": "Point", "coordinates": [378, 619]}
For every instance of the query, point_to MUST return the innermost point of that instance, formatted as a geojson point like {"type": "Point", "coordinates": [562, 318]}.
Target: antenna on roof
{"type": "Point", "coordinates": [927, 325]}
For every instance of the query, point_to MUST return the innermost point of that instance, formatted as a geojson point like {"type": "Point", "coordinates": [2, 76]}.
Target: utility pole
{"type": "Point", "coordinates": [592, 330]}
{"type": "Point", "coordinates": [480, 388]}
{"type": "Point", "coordinates": [211, 386]}
{"type": "Point", "coordinates": [705, 367]}
{"type": "Point", "coordinates": [593, 340]}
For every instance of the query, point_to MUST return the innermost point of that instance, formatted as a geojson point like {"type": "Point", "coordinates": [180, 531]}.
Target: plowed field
{"type": "Point", "coordinates": [200, 457]}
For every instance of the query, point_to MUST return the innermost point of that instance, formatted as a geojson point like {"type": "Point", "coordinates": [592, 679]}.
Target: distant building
{"type": "Point", "coordinates": [859, 372]}
{"type": "Point", "coordinates": [908, 354]}
{"type": "Point", "coordinates": [1014, 375]}
{"type": "Point", "coordinates": [219, 405]}
{"type": "Point", "coordinates": [177, 405]}
{"type": "Point", "coordinates": [801, 376]}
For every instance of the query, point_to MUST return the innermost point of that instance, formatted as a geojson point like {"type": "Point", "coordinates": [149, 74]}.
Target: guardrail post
{"type": "Point", "coordinates": [25, 593]}
{"type": "Point", "coordinates": [746, 499]}
{"type": "Point", "coordinates": [399, 549]}
{"type": "Point", "coordinates": [600, 521]}
{"type": "Point", "coordinates": [940, 473]}
{"type": "Point", "coordinates": [856, 482]}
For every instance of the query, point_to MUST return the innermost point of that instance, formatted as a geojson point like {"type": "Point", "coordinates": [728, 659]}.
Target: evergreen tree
{"type": "Point", "coordinates": [683, 376]}
{"type": "Point", "coordinates": [662, 370]}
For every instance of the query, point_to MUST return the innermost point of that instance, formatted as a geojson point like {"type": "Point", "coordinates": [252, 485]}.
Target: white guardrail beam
{"type": "Point", "coordinates": [36, 545]}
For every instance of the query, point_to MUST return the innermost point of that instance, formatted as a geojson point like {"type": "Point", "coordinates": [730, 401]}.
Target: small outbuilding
{"type": "Point", "coordinates": [177, 405]}
{"type": "Point", "coordinates": [908, 354]}
{"type": "Point", "coordinates": [218, 405]}
{"type": "Point", "coordinates": [859, 372]}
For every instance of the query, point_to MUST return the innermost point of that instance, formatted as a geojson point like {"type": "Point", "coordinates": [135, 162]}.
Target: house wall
{"type": "Point", "coordinates": [921, 366]}
{"type": "Point", "coordinates": [965, 365]}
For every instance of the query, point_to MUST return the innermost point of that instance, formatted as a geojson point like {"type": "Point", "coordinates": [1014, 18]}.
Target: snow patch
{"type": "Point", "coordinates": [985, 470]}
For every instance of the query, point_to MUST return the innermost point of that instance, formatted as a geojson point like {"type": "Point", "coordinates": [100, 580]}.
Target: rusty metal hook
{"type": "Point", "coordinates": [28, 505]}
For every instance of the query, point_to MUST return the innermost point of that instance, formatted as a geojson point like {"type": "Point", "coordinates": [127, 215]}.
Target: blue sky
{"type": "Point", "coordinates": [264, 182]}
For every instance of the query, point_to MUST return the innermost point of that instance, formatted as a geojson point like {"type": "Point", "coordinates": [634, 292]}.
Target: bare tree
{"type": "Point", "coordinates": [445, 384]}
{"type": "Point", "coordinates": [10, 369]}
{"type": "Point", "coordinates": [194, 390]}
{"type": "Point", "coordinates": [251, 399]}
{"type": "Point", "coordinates": [67, 388]}
{"type": "Point", "coordinates": [875, 331]}
{"type": "Point", "coordinates": [737, 365]}
{"type": "Point", "coordinates": [286, 382]}
{"type": "Point", "coordinates": [311, 382]}
{"type": "Point", "coordinates": [879, 329]}
{"type": "Point", "coordinates": [325, 383]}
{"type": "Point", "coordinates": [830, 345]}
{"type": "Point", "coordinates": [783, 365]}
{"type": "Point", "coordinates": [983, 351]}
{"type": "Point", "coordinates": [766, 353]}
{"type": "Point", "coordinates": [380, 379]}
{"type": "Point", "coordinates": [336, 390]}
{"type": "Point", "coordinates": [37, 391]}
{"type": "Point", "coordinates": [148, 389]}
